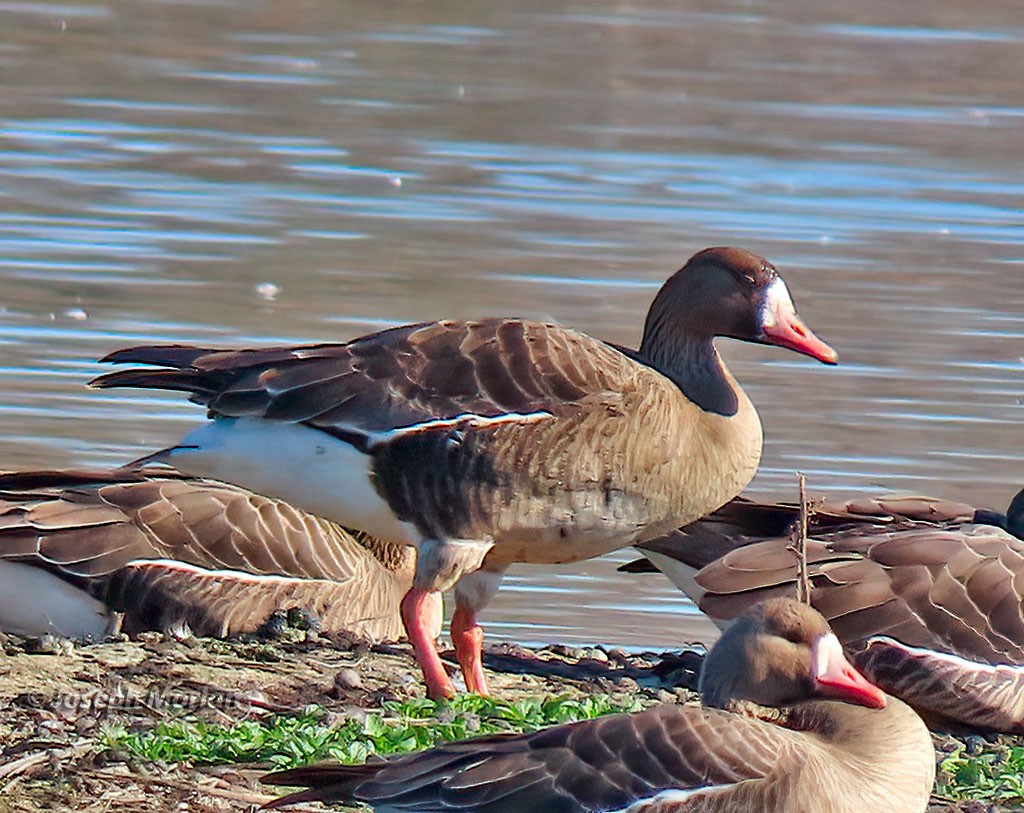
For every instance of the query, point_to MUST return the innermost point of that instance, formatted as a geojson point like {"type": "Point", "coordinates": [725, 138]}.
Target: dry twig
{"type": "Point", "coordinates": [803, 582]}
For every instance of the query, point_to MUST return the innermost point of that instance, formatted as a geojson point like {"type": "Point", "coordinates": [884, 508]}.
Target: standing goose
{"type": "Point", "coordinates": [493, 442]}
{"type": "Point", "coordinates": [78, 548]}
{"type": "Point", "coordinates": [787, 725]}
{"type": "Point", "coordinates": [928, 594]}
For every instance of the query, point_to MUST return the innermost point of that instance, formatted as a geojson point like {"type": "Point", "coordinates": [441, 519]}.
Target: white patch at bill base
{"type": "Point", "coordinates": [777, 303]}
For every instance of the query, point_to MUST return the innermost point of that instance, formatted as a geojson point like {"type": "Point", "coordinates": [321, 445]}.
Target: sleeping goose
{"type": "Point", "coordinates": [787, 725]}
{"type": "Point", "coordinates": [78, 548]}
{"type": "Point", "coordinates": [928, 594]}
{"type": "Point", "coordinates": [491, 442]}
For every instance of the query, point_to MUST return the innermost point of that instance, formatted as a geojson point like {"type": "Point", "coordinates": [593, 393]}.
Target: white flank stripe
{"type": "Point", "coordinates": [962, 663]}
{"type": "Point", "coordinates": [34, 602]}
{"type": "Point", "coordinates": [467, 420]}
{"type": "Point", "coordinates": [232, 575]}
{"type": "Point", "coordinates": [300, 465]}
{"type": "Point", "coordinates": [668, 796]}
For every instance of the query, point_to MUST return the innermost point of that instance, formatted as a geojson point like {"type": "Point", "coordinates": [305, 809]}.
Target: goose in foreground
{"type": "Point", "coordinates": [79, 548]}
{"type": "Point", "coordinates": [497, 441]}
{"type": "Point", "coordinates": [927, 594]}
{"type": "Point", "coordinates": [787, 725]}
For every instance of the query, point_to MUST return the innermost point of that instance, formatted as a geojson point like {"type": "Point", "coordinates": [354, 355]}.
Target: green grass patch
{"type": "Point", "coordinates": [996, 774]}
{"type": "Point", "coordinates": [396, 729]}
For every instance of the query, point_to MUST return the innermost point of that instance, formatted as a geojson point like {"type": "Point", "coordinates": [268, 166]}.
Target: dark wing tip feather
{"type": "Point", "coordinates": [643, 565]}
{"type": "Point", "coordinates": [293, 799]}
{"type": "Point", "coordinates": [28, 481]}
{"type": "Point", "coordinates": [326, 782]}
{"type": "Point", "coordinates": [328, 773]}
{"type": "Point", "coordinates": [159, 355]}
{"type": "Point", "coordinates": [180, 373]}
{"type": "Point", "coordinates": [182, 380]}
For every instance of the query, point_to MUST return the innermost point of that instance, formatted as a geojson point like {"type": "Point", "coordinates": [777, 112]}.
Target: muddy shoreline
{"type": "Point", "coordinates": [56, 706]}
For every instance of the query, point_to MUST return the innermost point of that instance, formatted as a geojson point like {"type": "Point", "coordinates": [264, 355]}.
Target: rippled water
{"type": "Point", "coordinates": [255, 172]}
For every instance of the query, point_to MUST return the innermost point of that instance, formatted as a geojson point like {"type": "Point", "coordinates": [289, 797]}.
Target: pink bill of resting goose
{"type": "Point", "coordinates": [492, 442]}
{"type": "Point", "coordinates": [787, 725]}
{"type": "Point", "coordinates": [77, 549]}
{"type": "Point", "coordinates": [927, 594]}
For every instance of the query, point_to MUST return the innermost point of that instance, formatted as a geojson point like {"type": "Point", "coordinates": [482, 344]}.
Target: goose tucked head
{"type": "Point", "coordinates": [778, 653]}
{"type": "Point", "coordinates": [727, 292]}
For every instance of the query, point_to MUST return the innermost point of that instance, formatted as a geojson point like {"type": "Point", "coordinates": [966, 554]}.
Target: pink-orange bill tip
{"type": "Point", "coordinates": [835, 676]}
{"type": "Point", "coordinates": [781, 326]}
{"type": "Point", "coordinates": [793, 334]}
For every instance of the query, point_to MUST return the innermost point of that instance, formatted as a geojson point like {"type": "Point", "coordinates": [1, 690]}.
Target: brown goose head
{"type": "Point", "coordinates": [726, 292]}
{"type": "Point", "coordinates": [779, 653]}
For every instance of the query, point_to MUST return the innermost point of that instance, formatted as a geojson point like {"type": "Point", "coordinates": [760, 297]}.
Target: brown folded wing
{"type": "Point", "coordinates": [742, 521]}
{"type": "Point", "coordinates": [952, 590]}
{"type": "Point", "coordinates": [395, 378]}
{"type": "Point", "coordinates": [603, 764]}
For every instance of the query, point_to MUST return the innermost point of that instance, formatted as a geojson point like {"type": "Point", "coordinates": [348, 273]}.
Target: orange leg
{"type": "Point", "coordinates": [468, 638]}
{"type": "Point", "coordinates": [417, 614]}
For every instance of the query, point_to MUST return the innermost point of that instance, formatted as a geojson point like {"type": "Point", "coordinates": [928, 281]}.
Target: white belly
{"type": "Point", "coordinates": [303, 466]}
{"type": "Point", "coordinates": [34, 602]}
